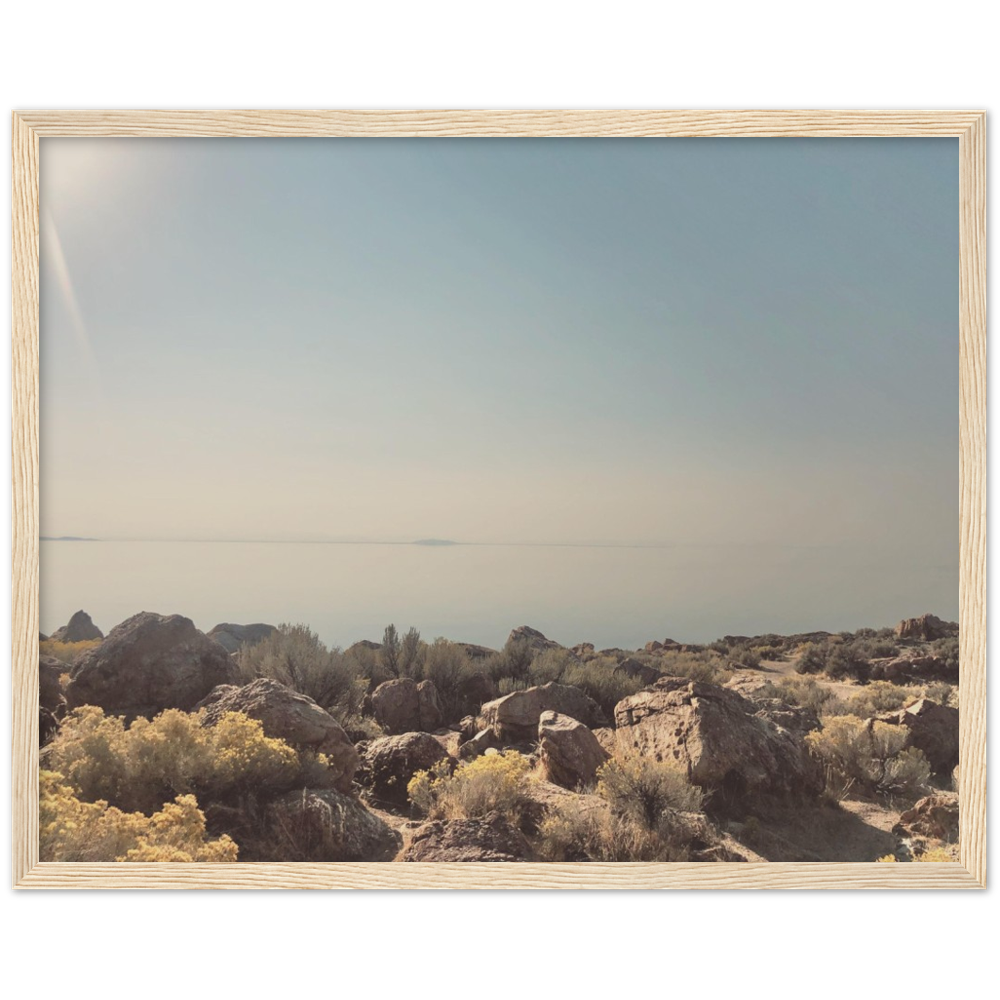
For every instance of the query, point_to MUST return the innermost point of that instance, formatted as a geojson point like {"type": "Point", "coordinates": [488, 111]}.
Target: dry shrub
{"type": "Point", "coordinates": [449, 668]}
{"type": "Point", "coordinates": [71, 830]}
{"type": "Point", "coordinates": [705, 666]}
{"type": "Point", "coordinates": [295, 657]}
{"type": "Point", "coordinates": [490, 783]}
{"type": "Point", "coordinates": [642, 813]}
{"type": "Point", "coordinates": [870, 758]}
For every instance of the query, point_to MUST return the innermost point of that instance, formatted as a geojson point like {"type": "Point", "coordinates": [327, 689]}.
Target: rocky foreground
{"type": "Point", "coordinates": [255, 742]}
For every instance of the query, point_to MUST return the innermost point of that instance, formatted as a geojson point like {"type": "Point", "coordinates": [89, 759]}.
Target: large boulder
{"type": "Point", "coordinates": [926, 627]}
{"type": "Point", "coordinates": [404, 706]}
{"type": "Point", "coordinates": [147, 664]}
{"type": "Point", "coordinates": [231, 637]}
{"type": "Point", "coordinates": [388, 764]}
{"type": "Point", "coordinates": [637, 670]}
{"type": "Point", "coordinates": [933, 729]}
{"type": "Point", "coordinates": [532, 638]}
{"type": "Point", "coordinates": [569, 753]}
{"type": "Point", "coordinates": [79, 629]}
{"type": "Point", "coordinates": [912, 669]}
{"type": "Point", "coordinates": [728, 747]}
{"type": "Point", "coordinates": [514, 717]}
{"type": "Point", "coordinates": [932, 818]}
{"type": "Point", "coordinates": [287, 715]}
{"type": "Point", "coordinates": [489, 839]}
{"type": "Point", "coordinates": [324, 825]}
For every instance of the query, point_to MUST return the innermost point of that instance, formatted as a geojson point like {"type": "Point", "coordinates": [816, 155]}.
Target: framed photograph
{"type": "Point", "coordinates": [499, 499]}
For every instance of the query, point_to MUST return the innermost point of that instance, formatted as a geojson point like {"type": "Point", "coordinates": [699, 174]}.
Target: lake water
{"type": "Point", "coordinates": [477, 593]}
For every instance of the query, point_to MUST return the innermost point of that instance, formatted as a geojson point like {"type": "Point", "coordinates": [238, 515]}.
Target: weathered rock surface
{"type": "Point", "coordinates": [231, 637]}
{"type": "Point", "coordinates": [933, 729]}
{"type": "Point", "coordinates": [476, 652]}
{"type": "Point", "coordinates": [404, 706]}
{"type": "Point", "coordinates": [489, 839]}
{"type": "Point", "coordinates": [735, 754]}
{"type": "Point", "coordinates": [388, 764]}
{"type": "Point", "coordinates": [79, 629]}
{"type": "Point", "coordinates": [934, 818]}
{"type": "Point", "coordinates": [147, 664]}
{"type": "Point", "coordinates": [569, 753]}
{"type": "Point", "coordinates": [324, 825]}
{"type": "Point", "coordinates": [514, 717]}
{"type": "Point", "coordinates": [796, 718]}
{"type": "Point", "coordinates": [584, 651]}
{"type": "Point", "coordinates": [484, 740]}
{"type": "Point", "coordinates": [50, 695]}
{"type": "Point", "coordinates": [287, 715]}
{"type": "Point", "coordinates": [926, 627]}
{"type": "Point", "coordinates": [903, 669]}
{"type": "Point", "coordinates": [637, 670]}
{"type": "Point", "coordinates": [532, 638]}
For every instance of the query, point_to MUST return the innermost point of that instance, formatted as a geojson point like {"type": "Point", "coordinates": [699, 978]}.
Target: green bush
{"type": "Point", "coordinates": [140, 767]}
{"type": "Point", "coordinates": [295, 657]}
{"type": "Point", "coordinates": [71, 830]}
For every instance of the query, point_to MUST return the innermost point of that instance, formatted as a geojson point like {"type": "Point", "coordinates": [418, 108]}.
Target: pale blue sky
{"type": "Point", "coordinates": [727, 341]}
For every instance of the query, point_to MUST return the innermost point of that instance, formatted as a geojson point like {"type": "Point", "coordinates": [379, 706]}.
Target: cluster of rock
{"type": "Point", "coordinates": [739, 750]}
{"type": "Point", "coordinates": [926, 628]}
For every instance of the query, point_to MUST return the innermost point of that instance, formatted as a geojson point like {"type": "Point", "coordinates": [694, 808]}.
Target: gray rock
{"type": "Point", "coordinates": [388, 764]}
{"type": "Point", "coordinates": [147, 664]}
{"type": "Point", "coordinates": [79, 629]}
{"type": "Point", "coordinates": [287, 715]}
{"type": "Point", "coordinates": [231, 637]}
{"type": "Point", "coordinates": [569, 753]}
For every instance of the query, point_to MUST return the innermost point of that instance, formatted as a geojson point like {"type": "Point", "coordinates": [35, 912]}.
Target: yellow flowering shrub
{"type": "Point", "coordinates": [71, 830]}
{"type": "Point", "coordinates": [489, 783]}
{"type": "Point", "coordinates": [141, 766]}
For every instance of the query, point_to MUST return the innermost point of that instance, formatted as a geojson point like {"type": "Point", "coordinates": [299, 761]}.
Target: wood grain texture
{"type": "Point", "coordinates": [972, 485]}
{"type": "Point", "coordinates": [24, 468]}
{"type": "Point", "coordinates": [969, 126]}
{"type": "Point", "coordinates": [499, 123]}
{"type": "Point", "coordinates": [480, 875]}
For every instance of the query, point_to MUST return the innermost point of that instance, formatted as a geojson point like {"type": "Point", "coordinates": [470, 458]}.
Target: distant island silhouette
{"type": "Point", "coordinates": [435, 541]}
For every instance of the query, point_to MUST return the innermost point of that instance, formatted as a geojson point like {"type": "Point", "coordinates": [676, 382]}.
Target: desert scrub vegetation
{"type": "Point", "coordinates": [141, 766]}
{"type": "Point", "coordinates": [68, 652]}
{"type": "Point", "coordinates": [869, 758]}
{"type": "Point", "coordinates": [597, 677]}
{"type": "Point", "coordinates": [455, 676]}
{"type": "Point", "coordinates": [295, 657]}
{"type": "Point", "coordinates": [705, 665]}
{"type": "Point", "coordinates": [72, 830]}
{"type": "Point", "coordinates": [492, 783]}
{"type": "Point", "coordinates": [933, 855]}
{"type": "Point", "coordinates": [642, 812]}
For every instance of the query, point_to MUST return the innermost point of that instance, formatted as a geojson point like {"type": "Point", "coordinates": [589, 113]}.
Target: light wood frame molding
{"type": "Point", "coordinates": [968, 127]}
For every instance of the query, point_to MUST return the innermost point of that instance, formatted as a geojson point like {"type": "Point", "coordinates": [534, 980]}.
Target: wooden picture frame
{"type": "Point", "coordinates": [968, 126]}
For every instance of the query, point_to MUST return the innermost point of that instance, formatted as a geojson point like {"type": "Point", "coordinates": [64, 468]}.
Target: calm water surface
{"type": "Point", "coordinates": [477, 593]}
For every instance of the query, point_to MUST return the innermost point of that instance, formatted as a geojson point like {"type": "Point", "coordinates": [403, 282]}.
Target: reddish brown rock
{"type": "Point", "coordinates": [934, 818]}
